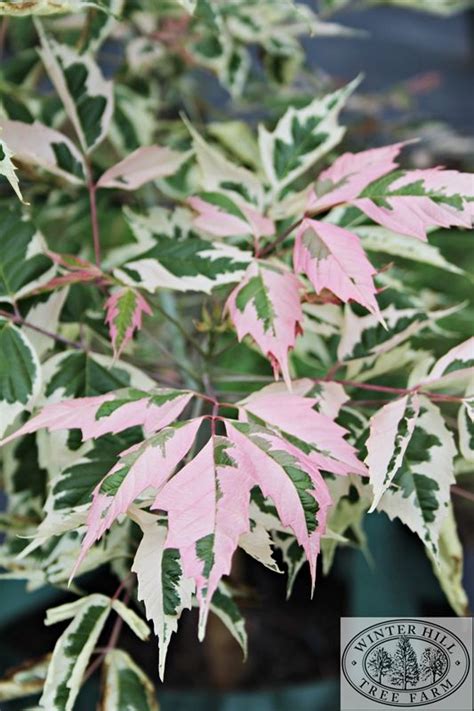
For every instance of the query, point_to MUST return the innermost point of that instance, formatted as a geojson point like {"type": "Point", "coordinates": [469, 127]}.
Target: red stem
{"type": "Point", "coordinates": [22, 322]}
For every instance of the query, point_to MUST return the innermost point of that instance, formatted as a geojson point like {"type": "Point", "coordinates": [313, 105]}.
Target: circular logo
{"type": "Point", "coordinates": [405, 662]}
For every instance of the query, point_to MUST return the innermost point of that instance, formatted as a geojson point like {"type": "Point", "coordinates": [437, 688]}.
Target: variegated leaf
{"type": "Point", "coordinates": [125, 685]}
{"type": "Point", "coordinates": [290, 479]}
{"type": "Point", "coordinates": [217, 174]}
{"type": "Point", "coordinates": [162, 586]}
{"type": "Point", "coordinates": [207, 504]}
{"type": "Point", "coordinates": [333, 258]}
{"type": "Point", "coordinates": [420, 491]}
{"type": "Point", "coordinates": [266, 306]}
{"type": "Point", "coordinates": [225, 608]}
{"type": "Point", "coordinates": [38, 145]}
{"type": "Point", "coordinates": [144, 164]}
{"type": "Point", "coordinates": [7, 168]}
{"type": "Point", "coordinates": [73, 650]}
{"type": "Point", "coordinates": [124, 312]}
{"type": "Point", "coordinates": [391, 430]}
{"type": "Point", "coordinates": [142, 467]}
{"type": "Point", "coordinates": [25, 680]}
{"type": "Point", "coordinates": [21, 8]}
{"type": "Point", "coordinates": [449, 566]}
{"type": "Point", "coordinates": [24, 264]}
{"type": "Point", "coordinates": [182, 262]}
{"type": "Point", "coordinates": [295, 416]}
{"type": "Point", "coordinates": [302, 137]}
{"type": "Point", "coordinates": [86, 96]}
{"type": "Point", "coordinates": [19, 385]}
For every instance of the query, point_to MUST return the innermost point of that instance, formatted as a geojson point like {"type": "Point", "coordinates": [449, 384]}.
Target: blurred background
{"type": "Point", "coordinates": [419, 81]}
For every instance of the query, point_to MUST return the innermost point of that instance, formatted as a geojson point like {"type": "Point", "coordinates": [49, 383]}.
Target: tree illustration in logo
{"type": "Point", "coordinates": [380, 663]}
{"type": "Point", "coordinates": [405, 670]}
{"type": "Point", "coordinates": [433, 664]}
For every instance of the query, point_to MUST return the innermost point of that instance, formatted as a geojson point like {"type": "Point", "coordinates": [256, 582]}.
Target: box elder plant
{"type": "Point", "coordinates": [198, 334]}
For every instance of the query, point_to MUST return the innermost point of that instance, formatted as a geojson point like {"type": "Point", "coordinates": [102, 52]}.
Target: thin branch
{"type": "Point", "coordinates": [54, 336]}
{"type": "Point", "coordinates": [459, 491]}
{"type": "Point", "coordinates": [91, 186]}
{"type": "Point", "coordinates": [278, 240]}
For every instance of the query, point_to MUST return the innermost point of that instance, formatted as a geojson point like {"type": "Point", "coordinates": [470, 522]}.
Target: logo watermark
{"type": "Point", "coordinates": [406, 663]}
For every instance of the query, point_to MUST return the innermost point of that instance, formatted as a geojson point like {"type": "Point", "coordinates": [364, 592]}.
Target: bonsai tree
{"type": "Point", "coordinates": [212, 338]}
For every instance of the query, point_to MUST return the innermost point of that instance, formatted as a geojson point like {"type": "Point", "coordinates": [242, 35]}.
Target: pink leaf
{"type": "Point", "coordinates": [290, 479]}
{"type": "Point", "coordinates": [333, 258]}
{"type": "Point", "coordinates": [145, 465]}
{"type": "Point", "coordinates": [207, 504]}
{"type": "Point", "coordinates": [124, 309]}
{"type": "Point", "coordinates": [145, 164]}
{"type": "Point", "coordinates": [294, 414]}
{"type": "Point", "coordinates": [345, 179]}
{"type": "Point", "coordinates": [219, 216]}
{"type": "Point", "coordinates": [110, 413]}
{"type": "Point", "coordinates": [266, 306]}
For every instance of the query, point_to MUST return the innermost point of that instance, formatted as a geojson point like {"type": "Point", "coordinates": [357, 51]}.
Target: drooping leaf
{"type": "Point", "coordinates": [420, 492]}
{"type": "Point", "coordinates": [73, 650]}
{"type": "Point", "coordinates": [143, 466]}
{"type": "Point", "coordinates": [294, 556]}
{"type": "Point", "coordinates": [391, 430]}
{"type": "Point", "coordinates": [87, 97]}
{"type": "Point", "coordinates": [333, 258]}
{"type": "Point", "coordinates": [294, 414]}
{"type": "Point", "coordinates": [125, 685]}
{"type": "Point", "coordinates": [207, 504]}
{"type": "Point", "coordinates": [266, 306]}
{"type": "Point", "coordinates": [290, 479]}
{"type": "Point", "coordinates": [38, 145]}
{"type": "Point", "coordinates": [225, 608]}
{"type": "Point", "coordinates": [162, 587]}
{"type": "Point", "coordinates": [124, 311]}
{"type": "Point", "coordinates": [302, 137]}
{"type": "Point", "coordinates": [113, 412]}
{"type": "Point", "coordinates": [20, 374]}
{"type": "Point", "coordinates": [144, 164]}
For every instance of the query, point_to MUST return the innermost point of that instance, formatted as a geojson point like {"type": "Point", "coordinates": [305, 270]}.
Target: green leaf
{"type": "Point", "coordinates": [225, 608]}
{"type": "Point", "coordinates": [86, 96]}
{"type": "Point", "coordinates": [125, 686]}
{"type": "Point", "coordinates": [302, 137]}
{"type": "Point", "coordinates": [23, 261]}
{"type": "Point", "coordinates": [420, 491]}
{"type": "Point", "coordinates": [73, 649]}
{"type": "Point", "coordinates": [165, 593]}
{"type": "Point", "coordinates": [19, 385]}
{"type": "Point", "coordinates": [182, 260]}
